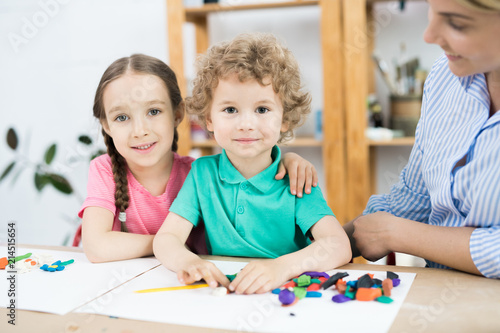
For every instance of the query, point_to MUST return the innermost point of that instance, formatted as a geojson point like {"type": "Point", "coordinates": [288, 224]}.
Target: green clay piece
{"type": "Point", "coordinates": [384, 299]}
{"type": "Point", "coordinates": [300, 292]}
{"type": "Point", "coordinates": [350, 292]}
{"type": "Point", "coordinates": [303, 281]}
{"type": "Point", "coordinates": [315, 281]}
{"type": "Point", "coordinates": [19, 258]}
{"type": "Point", "coordinates": [67, 262]}
{"type": "Point", "coordinates": [231, 277]}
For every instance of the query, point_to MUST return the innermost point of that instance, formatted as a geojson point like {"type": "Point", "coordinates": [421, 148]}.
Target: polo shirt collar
{"type": "Point", "coordinates": [263, 181]}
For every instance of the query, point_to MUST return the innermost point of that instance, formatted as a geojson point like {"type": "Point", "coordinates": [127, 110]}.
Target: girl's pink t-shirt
{"type": "Point", "coordinates": [145, 213]}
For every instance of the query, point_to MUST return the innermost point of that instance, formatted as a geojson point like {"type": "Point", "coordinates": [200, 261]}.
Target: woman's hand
{"type": "Point", "coordinates": [301, 172]}
{"type": "Point", "coordinates": [373, 234]}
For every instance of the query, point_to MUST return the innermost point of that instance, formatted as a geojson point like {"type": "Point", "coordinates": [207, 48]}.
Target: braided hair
{"type": "Point", "coordinates": [136, 63]}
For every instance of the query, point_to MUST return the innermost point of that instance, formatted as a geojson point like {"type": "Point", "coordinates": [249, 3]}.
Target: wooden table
{"type": "Point", "coordinates": [438, 301]}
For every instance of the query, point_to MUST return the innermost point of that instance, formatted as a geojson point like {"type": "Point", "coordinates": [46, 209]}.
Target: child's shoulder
{"type": "Point", "coordinates": [206, 160]}
{"type": "Point", "coordinates": [102, 162]}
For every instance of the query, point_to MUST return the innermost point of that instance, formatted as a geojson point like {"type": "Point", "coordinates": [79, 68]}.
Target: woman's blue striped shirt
{"type": "Point", "coordinates": [454, 123]}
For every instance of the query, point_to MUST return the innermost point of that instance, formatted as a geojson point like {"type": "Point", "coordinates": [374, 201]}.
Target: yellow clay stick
{"type": "Point", "coordinates": [191, 286]}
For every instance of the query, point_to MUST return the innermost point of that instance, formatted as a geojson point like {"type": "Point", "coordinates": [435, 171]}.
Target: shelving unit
{"type": "Point", "coordinates": [333, 143]}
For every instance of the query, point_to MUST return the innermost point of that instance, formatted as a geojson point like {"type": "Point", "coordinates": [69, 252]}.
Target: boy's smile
{"type": "Point", "coordinates": [247, 121]}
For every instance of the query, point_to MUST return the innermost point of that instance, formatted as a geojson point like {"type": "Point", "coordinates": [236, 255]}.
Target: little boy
{"type": "Point", "coordinates": [248, 94]}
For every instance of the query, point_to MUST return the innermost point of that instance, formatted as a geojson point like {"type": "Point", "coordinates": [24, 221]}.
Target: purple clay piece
{"type": "Point", "coordinates": [396, 282]}
{"type": "Point", "coordinates": [286, 297]}
{"type": "Point", "coordinates": [340, 298]}
{"type": "Point", "coordinates": [316, 274]}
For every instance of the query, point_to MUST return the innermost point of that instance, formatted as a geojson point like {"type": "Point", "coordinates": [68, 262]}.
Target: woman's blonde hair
{"type": "Point", "coordinates": [251, 56]}
{"type": "Point", "coordinates": [482, 5]}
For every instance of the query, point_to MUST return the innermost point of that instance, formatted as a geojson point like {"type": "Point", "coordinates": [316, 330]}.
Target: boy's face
{"type": "Point", "coordinates": [246, 119]}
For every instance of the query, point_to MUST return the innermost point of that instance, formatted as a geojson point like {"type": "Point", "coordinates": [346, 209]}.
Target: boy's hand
{"type": "Point", "coordinates": [301, 172]}
{"type": "Point", "coordinates": [198, 269]}
{"type": "Point", "coordinates": [258, 277]}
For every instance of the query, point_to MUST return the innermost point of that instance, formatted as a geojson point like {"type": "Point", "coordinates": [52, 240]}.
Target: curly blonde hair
{"type": "Point", "coordinates": [490, 6]}
{"type": "Point", "coordinates": [251, 56]}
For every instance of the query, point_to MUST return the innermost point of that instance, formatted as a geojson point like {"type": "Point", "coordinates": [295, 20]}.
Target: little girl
{"type": "Point", "coordinates": [130, 189]}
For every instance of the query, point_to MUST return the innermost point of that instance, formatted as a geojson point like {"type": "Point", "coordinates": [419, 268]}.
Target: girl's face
{"type": "Point", "coordinates": [140, 119]}
{"type": "Point", "coordinates": [247, 120]}
{"type": "Point", "coordinates": [470, 39]}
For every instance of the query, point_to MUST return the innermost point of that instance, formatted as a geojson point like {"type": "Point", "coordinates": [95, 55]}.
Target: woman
{"type": "Point", "coordinates": [446, 207]}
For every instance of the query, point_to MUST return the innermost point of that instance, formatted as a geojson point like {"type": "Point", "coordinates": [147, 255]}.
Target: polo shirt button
{"type": "Point", "coordinates": [243, 186]}
{"type": "Point", "coordinates": [240, 210]}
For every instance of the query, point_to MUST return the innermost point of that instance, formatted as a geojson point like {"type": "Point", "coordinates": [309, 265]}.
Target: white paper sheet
{"type": "Point", "coordinates": [259, 313]}
{"type": "Point", "coordinates": [63, 291]}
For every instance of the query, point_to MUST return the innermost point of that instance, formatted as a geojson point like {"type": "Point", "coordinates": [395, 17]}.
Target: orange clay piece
{"type": "Point", "coordinates": [3, 262]}
{"type": "Point", "coordinates": [322, 279]}
{"type": "Point", "coordinates": [368, 294]}
{"type": "Point", "coordinates": [387, 286]}
{"type": "Point", "coordinates": [370, 275]}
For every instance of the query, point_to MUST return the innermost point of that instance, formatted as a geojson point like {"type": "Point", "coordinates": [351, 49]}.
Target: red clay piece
{"type": "Point", "coordinates": [290, 284]}
{"type": "Point", "coordinates": [313, 287]}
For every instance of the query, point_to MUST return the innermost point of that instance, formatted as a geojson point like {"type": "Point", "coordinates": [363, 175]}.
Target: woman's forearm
{"type": "Point", "coordinates": [448, 246]}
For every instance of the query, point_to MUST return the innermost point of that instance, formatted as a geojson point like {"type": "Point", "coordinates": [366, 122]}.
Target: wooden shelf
{"type": "Point", "coordinates": [406, 141]}
{"type": "Point", "coordinates": [296, 142]}
{"type": "Point", "coordinates": [197, 12]}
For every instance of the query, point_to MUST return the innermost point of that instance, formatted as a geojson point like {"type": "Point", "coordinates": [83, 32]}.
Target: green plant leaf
{"type": "Point", "coordinates": [7, 170]}
{"type": "Point", "coordinates": [50, 153]}
{"type": "Point", "coordinates": [40, 181]}
{"type": "Point", "coordinates": [12, 139]}
{"type": "Point", "coordinates": [60, 183]}
{"type": "Point", "coordinates": [85, 139]}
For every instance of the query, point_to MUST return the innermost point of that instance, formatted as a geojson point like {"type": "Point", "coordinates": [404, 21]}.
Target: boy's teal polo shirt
{"type": "Point", "coordinates": [256, 217]}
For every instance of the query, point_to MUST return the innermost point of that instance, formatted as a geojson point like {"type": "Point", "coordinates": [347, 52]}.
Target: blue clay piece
{"type": "Point", "coordinates": [352, 283]}
{"type": "Point", "coordinates": [60, 268]}
{"type": "Point", "coordinates": [56, 263]}
{"type": "Point", "coordinates": [340, 298]}
{"type": "Point", "coordinates": [276, 291]}
{"type": "Point", "coordinates": [396, 282]}
{"type": "Point", "coordinates": [44, 267]}
{"type": "Point", "coordinates": [286, 297]}
{"type": "Point", "coordinates": [314, 294]}
{"type": "Point", "coordinates": [51, 269]}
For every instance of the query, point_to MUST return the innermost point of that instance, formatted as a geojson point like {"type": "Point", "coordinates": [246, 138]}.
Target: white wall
{"type": "Point", "coordinates": [48, 80]}
{"type": "Point", "coordinates": [52, 54]}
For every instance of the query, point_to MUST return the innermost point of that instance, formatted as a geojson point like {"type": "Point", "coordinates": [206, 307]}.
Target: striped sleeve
{"type": "Point", "coordinates": [409, 197]}
{"type": "Point", "coordinates": [485, 251]}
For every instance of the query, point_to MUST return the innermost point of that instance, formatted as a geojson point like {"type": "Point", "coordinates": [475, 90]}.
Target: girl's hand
{"type": "Point", "coordinates": [301, 172]}
{"type": "Point", "coordinates": [258, 277]}
{"type": "Point", "coordinates": [373, 234]}
{"type": "Point", "coordinates": [198, 269]}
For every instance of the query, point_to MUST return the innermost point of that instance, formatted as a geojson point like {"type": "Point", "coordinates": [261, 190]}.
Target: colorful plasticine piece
{"type": "Point", "coordinates": [286, 297]}
{"type": "Point", "coordinates": [396, 282]}
{"type": "Point", "coordinates": [57, 266]}
{"type": "Point", "coordinates": [384, 299]}
{"type": "Point", "coordinates": [333, 279]}
{"type": "Point", "coordinates": [340, 298]}
{"type": "Point", "coordinates": [3, 262]}
{"type": "Point", "coordinates": [387, 287]}
{"type": "Point", "coordinates": [368, 294]}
